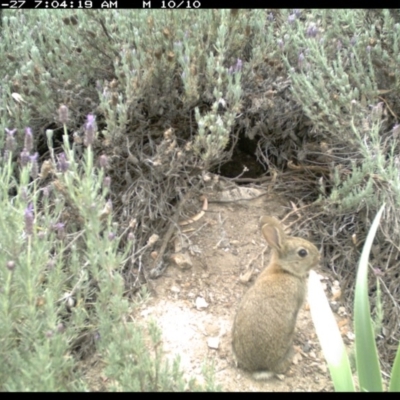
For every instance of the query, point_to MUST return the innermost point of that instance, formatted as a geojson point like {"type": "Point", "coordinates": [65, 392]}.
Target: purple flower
{"type": "Point", "coordinates": [99, 86]}
{"type": "Point", "coordinates": [11, 265]}
{"type": "Point", "coordinates": [63, 114]}
{"type": "Point", "coordinates": [291, 18]}
{"type": "Point", "coordinates": [111, 236]}
{"type": "Point", "coordinates": [49, 334]}
{"type": "Point", "coordinates": [296, 12]}
{"type": "Point", "coordinates": [24, 157]}
{"type": "Point", "coordinates": [107, 182]}
{"type": "Point", "coordinates": [10, 140]}
{"type": "Point", "coordinates": [239, 65]}
{"type": "Point", "coordinates": [59, 228]}
{"type": "Point", "coordinates": [368, 49]}
{"type": "Point", "coordinates": [270, 17]}
{"type": "Point", "coordinates": [236, 67]}
{"type": "Point", "coordinates": [377, 110]}
{"type": "Point", "coordinates": [46, 191]}
{"type": "Point", "coordinates": [353, 40]}
{"type": "Point", "coordinates": [28, 139]}
{"type": "Point", "coordinates": [280, 43]}
{"type": "Point", "coordinates": [24, 194]}
{"type": "Point", "coordinates": [90, 130]}
{"type": "Point", "coordinates": [62, 163]}
{"type": "Point", "coordinates": [29, 218]}
{"type": "Point", "coordinates": [103, 161]}
{"type": "Point", "coordinates": [34, 166]}
{"type": "Point", "coordinates": [312, 31]}
{"type": "Point", "coordinates": [10, 132]}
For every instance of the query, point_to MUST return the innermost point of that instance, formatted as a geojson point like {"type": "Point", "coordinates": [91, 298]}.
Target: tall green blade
{"type": "Point", "coordinates": [368, 368]}
{"type": "Point", "coordinates": [395, 377]}
{"type": "Point", "coordinates": [329, 336]}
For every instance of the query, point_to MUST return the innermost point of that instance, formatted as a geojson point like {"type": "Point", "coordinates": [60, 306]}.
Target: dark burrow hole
{"type": "Point", "coordinates": [244, 162]}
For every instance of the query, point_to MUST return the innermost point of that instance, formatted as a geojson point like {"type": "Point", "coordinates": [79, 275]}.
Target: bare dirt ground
{"type": "Point", "coordinates": [195, 307]}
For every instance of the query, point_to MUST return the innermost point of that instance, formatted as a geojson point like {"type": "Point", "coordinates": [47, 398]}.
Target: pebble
{"type": "Point", "coordinates": [201, 304]}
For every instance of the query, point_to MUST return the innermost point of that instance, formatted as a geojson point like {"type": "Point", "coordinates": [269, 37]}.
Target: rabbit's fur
{"type": "Point", "coordinates": [264, 325]}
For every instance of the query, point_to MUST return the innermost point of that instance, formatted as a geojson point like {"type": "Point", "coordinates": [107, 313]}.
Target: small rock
{"type": "Point", "coordinates": [177, 245]}
{"type": "Point", "coordinates": [182, 260]}
{"type": "Point", "coordinates": [336, 292]}
{"type": "Point", "coordinates": [334, 306]}
{"type": "Point", "coordinates": [323, 368]}
{"type": "Point", "coordinates": [246, 276]}
{"type": "Point", "coordinates": [153, 239]}
{"type": "Point", "coordinates": [306, 347]}
{"type": "Point", "coordinates": [175, 289]}
{"type": "Point", "coordinates": [281, 377]}
{"type": "Point", "coordinates": [225, 244]}
{"type": "Point", "coordinates": [213, 343]}
{"type": "Point", "coordinates": [194, 249]}
{"type": "Point", "coordinates": [342, 311]}
{"type": "Point", "coordinates": [320, 277]}
{"type": "Point", "coordinates": [297, 357]}
{"type": "Point", "coordinates": [201, 304]}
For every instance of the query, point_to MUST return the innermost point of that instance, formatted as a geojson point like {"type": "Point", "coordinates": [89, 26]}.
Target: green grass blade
{"type": "Point", "coordinates": [329, 336]}
{"type": "Point", "coordinates": [395, 376]}
{"type": "Point", "coordinates": [368, 368]}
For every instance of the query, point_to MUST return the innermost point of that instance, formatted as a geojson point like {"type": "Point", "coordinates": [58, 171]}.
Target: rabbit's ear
{"type": "Point", "coordinates": [273, 235]}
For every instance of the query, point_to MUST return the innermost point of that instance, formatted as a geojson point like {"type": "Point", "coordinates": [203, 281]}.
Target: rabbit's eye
{"type": "Point", "coordinates": [302, 253]}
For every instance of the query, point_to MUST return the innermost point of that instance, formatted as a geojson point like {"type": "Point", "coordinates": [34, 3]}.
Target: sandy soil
{"type": "Point", "coordinates": [195, 307]}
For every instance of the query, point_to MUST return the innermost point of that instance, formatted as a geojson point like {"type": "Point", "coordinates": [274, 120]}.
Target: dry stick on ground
{"type": "Point", "coordinates": [252, 180]}
{"type": "Point", "coordinates": [198, 215]}
{"type": "Point", "coordinates": [157, 269]}
{"type": "Point", "coordinates": [318, 168]}
{"type": "Point", "coordinates": [295, 211]}
{"type": "Point", "coordinates": [248, 271]}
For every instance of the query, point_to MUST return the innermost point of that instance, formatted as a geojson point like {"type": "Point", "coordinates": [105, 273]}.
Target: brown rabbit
{"type": "Point", "coordinates": [264, 325]}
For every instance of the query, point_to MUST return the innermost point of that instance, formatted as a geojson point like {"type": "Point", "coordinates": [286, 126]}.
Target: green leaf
{"type": "Point", "coordinates": [395, 377]}
{"type": "Point", "coordinates": [368, 368]}
{"type": "Point", "coordinates": [329, 336]}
